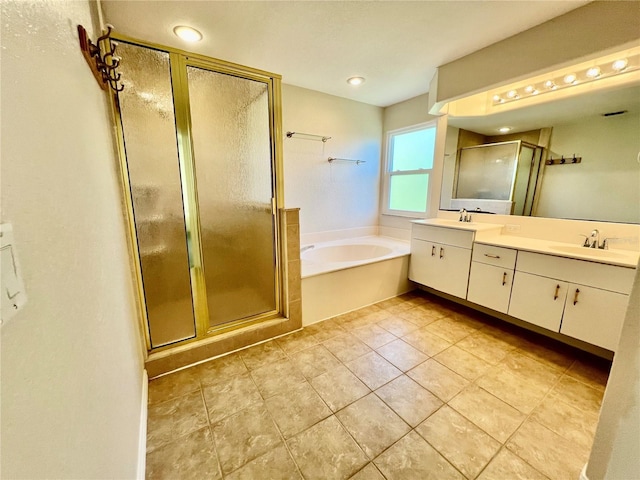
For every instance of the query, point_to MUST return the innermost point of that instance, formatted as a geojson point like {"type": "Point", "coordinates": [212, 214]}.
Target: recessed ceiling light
{"type": "Point", "coordinates": [355, 81]}
{"type": "Point", "coordinates": [593, 72]}
{"type": "Point", "coordinates": [570, 78]}
{"type": "Point", "coordinates": [188, 34]}
{"type": "Point", "coordinates": [620, 65]}
{"type": "Point", "coordinates": [504, 129]}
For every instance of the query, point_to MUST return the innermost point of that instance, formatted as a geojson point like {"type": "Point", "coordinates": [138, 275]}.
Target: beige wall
{"type": "Point", "coordinates": [72, 358]}
{"type": "Point", "coordinates": [333, 196]}
{"type": "Point", "coordinates": [606, 185]}
{"type": "Point", "coordinates": [596, 27]}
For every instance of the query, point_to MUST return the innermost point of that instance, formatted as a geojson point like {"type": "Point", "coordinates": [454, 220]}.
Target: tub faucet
{"type": "Point", "coordinates": [308, 247]}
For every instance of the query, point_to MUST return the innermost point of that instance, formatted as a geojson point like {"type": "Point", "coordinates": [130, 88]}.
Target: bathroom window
{"type": "Point", "coordinates": [409, 164]}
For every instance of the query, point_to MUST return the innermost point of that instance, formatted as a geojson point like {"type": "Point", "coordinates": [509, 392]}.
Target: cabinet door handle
{"type": "Point", "coordinates": [433, 250]}
{"type": "Point", "coordinates": [504, 279]}
{"type": "Point", "coordinates": [491, 256]}
{"type": "Point", "coordinates": [441, 252]}
{"type": "Point", "coordinates": [575, 298]}
{"type": "Point", "coordinates": [555, 295]}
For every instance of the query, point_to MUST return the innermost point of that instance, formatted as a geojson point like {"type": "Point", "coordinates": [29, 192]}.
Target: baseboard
{"type": "Point", "coordinates": [142, 434]}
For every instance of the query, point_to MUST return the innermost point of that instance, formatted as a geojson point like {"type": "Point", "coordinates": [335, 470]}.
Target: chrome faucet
{"type": "Point", "coordinates": [308, 247]}
{"type": "Point", "coordinates": [595, 239]}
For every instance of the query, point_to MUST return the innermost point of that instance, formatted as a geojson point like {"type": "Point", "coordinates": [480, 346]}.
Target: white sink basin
{"type": "Point", "coordinates": [589, 252]}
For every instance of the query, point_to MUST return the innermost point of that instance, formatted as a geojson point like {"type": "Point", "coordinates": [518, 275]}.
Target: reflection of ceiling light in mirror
{"type": "Point", "coordinates": [593, 72]}
{"type": "Point", "coordinates": [145, 95]}
{"type": "Point", "coordinates": [571, 78]}
{"type": "Point", "coordinates": [512, 94]}
{"type": "Point", "coordinates": [529, 89]}
{"type": "Point", "coordinates": [504, 129]}
{"type": "Point", "coordinates": [496, 98]}
{"type": "Point", "coordinates": [620, 65]}
{"type": "Point", "coordinates": [188, 34]}
{"type": "Point", "coordinates": [355, 81]}
{"type": "Point", "coordinates": [549, 84]}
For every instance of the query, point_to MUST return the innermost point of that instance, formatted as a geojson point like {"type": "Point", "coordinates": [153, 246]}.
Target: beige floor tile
{"type": "Point", "coordinates": [491, 414]}
{"type": "Point", "coordinates": [438, 379]}
{"type": "Point", "coordinates": [294, 342]}
{"type": "Point", "coordinates": [315, 361]}
{"type": "Point", "coordinates": [419, 316]}
{"type": "Point", "coordinates": [173, 385]}
{"type": "Point", "coordinates": [508, 466]}
{"type": "Point", "coordinates": [485, 346]}
{"type": "Point", "coordinates": [326, 452]}
{"type": "Point", "coordinates": [373, 370]}
{"type": "Point", "coordinates": [466, 446]}
{"type": "Point", "coordinates": [339, 387]}
{"type": "Point", "coordinates": [592, 371]}
{"type": "Point", "coordinates": [514, 388]}
{"type": "Point", "coordinates": [390, 302]}
{"type": "Point", "coordinates": [175, 418]}
{"type": "Point", "coordinates": [398, 326]}
{"type": "Point", "coordinates": [548, 352]}
{"type": "Point", "coordinates": [437, 308]}
{"type": "Point", "coordinates": [230, 396]}
{"type": "Point", "coordinates": [567, 421]}
{"type": "Point", "coordinates": [399, 308]}
{"type": "Point", "coordinates": [412, 458]}
{"type": "Point", "coordinates": [541, 373]}
{"type": "Point", "coordinates": [220, 369]}
{"type": "Point", "coordinates": [272, 378]}
{"type": "Point", "coordinates": [376, 316]}
{"type": "Point", "coordinates": [469, 318]}
{"type": "Point", "coordinates": [548, 452]}
{"type": "Point", "coordinates": [275, 464]}
{"type": "Point", "coordinates": [373, 335]}
{"type": "Point", "coordinates": [450, 330]}
{"type": "Point", "coordinates": [372, 424]}
{"type": "Point", "coordinates": [370, 472]}
{"type": "Point", "coordinates": [263, 354]}
{"type": "Point", "coordinates": [578, 394]}
{"type": "Point", "coordinates": [192, 456]}
{"type": "Point", "coordinates": [409, 400]}
{"type": "Point", "coordinates": [326, 329]}
{"type": "Point", "coordinates": [243, 437]}
{"type": "Point", "coordinates": [462, 362]}
{"type": "Point", "coordinates": [402, 355]}
{"type": "Point", "coordinates": [346, 347]}
{"type": "Point", "coordinates": [296, 409]}
{"type": "Point", "coordinates": [426, 342]}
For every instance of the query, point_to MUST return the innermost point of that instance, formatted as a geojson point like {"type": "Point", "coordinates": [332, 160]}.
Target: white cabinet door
{"type": "Point", "coordinates": [594, 316]}
{"type": "Point", "coordinates": [490, 286]}
{"type": "Point", "coordinates": [538, 300]}
{"type": "Point", "coordinates": [452, 271]}
{"type": "Point", "coordinates": [421, 263]}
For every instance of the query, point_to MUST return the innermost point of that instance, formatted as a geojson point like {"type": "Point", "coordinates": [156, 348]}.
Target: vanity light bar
{"type": "Point", "coordinates": [568, 79]}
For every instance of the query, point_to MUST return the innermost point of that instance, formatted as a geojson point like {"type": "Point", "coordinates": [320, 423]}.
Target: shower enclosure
{"type": "Point", "coordinates": [201, 153]}
{"type": "Point", "coordinates": [504, 174]}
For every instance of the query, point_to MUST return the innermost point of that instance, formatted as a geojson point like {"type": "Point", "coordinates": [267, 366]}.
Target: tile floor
{"type": "Point", "coordinates": [414, 387]}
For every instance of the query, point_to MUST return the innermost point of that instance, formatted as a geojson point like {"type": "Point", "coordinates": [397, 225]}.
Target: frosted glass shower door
{"type": "Point", "coordinates": [148, 130]}
{"type": "Point", "coordinates": [230, 128]}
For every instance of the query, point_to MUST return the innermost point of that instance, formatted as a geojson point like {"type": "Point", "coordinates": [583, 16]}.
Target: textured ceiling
{"type": "Point", "coordinates": [395, 45]}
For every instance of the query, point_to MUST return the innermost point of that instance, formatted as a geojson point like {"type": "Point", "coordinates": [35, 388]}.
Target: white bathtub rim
{"type": "Point", "coordinates": [399, 248]}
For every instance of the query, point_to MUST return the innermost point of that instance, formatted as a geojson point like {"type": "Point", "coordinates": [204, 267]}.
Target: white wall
{"type": "Point", "coordinates": [71, 359]}
{"type": "Point", "coordinates": [606, 185]}
{"type": "Point", "coordinates": [333, 196]}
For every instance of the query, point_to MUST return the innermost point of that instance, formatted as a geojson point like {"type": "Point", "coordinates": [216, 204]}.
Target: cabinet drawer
{"type": "Point", "coordinates": [599, 275]}
{"type": "Point", "coordinates": [444, 235]}
{"type": "Point", "coordinates": [497, 256]}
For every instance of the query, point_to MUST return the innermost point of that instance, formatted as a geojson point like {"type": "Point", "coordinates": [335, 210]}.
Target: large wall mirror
{"type": "Point", "coordinates": [511, 173]}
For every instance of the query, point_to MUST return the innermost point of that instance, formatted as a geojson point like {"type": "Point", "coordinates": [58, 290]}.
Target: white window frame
{"type": "Point", "coordinates": [388, 174]}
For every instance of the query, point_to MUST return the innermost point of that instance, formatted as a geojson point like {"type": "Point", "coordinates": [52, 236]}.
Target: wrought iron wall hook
{"type": "Point", "coordinates": [103, 66]}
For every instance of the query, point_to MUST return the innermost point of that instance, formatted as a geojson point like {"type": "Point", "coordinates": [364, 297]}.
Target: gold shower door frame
{"type": "Point", "coordinates": [179, 61]}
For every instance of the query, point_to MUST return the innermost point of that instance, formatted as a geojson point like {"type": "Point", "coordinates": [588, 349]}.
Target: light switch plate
{"type": "Point", "coordinates": [12, 293]}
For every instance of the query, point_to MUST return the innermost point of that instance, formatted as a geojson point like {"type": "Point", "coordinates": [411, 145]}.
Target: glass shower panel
{"type": "Point", "coordinates": [148, 123]}
{"type": "Point", "coordinates": [525, 163]}
{"type": "Point", "coordinates": [487, 172]}
{"type": "Point", "coordinates": [230, 125]}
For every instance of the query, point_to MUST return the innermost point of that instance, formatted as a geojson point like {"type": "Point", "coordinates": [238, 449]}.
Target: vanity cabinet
{"type": "Point", "coordinates": [440, 258]}
{"type": "Point", "coordinates": [580, 299]}
{"type": "Point", "coordinates": [491, 276]}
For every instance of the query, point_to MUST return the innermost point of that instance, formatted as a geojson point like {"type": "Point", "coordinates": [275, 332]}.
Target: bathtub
{"type": "Point", "coordinates": [344, 275]}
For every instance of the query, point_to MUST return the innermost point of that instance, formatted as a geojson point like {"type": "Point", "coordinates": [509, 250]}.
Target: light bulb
{"type": "Point", "coordinates": [549, 84]}
{"type": "Point", "coordinates": [529, 89]}
{"type": "Point", "coordinates": [496, 98]}
{"type": "Point", "coordinates": [593, 72]}
{"type": "Point", "coordinates": [355, 81]}
{"type": "Point", "coordinates": [570, 78]}
{"type": "Point", "coordinates": [620, 65]}
{"type": "Point", "coordinates": [512, 94]}
{"type": "Point", "coordinates": [188, 34]}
